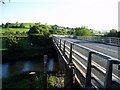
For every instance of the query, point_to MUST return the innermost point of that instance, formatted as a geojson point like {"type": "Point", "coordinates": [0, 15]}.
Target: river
{"type": "Point", "coordinates": [16, 67]}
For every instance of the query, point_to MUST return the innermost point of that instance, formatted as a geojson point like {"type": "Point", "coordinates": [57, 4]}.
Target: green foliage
{"type": "Point", "coordinates": [3, 44]}
{"type": "Point", "coordinates": [23, 81]}
{"type": "Point", "coordinates": [39, 40]}
{"type": "Point", "coordinates": [34, 30]}
{"type": "Point", "coordinates": [3, 25]}
{"type": "Point", "coordinates": [40, 29]}
{"type": "Point", "coordinates": [113, 33]}
{"type": "Point", "coordinates": [13, 30]}
{"type": "Point", "coordinates": [22, 25]}
{"type": "Point", "coordinates": [92, 31]}
{"type": "Point", "coordinates": [46, 33]}
{"type": "Point", "coordinates": [51, 80]}
{"type": "Point", "coordinates": [7, 25]}
{"type": "Point", "coordinates": [16, 81]}
{"type": "Point", "coordinates": [13, 42]}
{"type": "Point", "coordinates": [83, 31]}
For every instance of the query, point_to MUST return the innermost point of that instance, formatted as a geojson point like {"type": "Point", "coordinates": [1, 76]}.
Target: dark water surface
{"type": "Point", "coordinates": [16, 67]}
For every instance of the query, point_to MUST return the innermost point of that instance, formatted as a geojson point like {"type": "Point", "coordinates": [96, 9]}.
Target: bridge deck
{"type": "Point", "coordinates": [101, 65]}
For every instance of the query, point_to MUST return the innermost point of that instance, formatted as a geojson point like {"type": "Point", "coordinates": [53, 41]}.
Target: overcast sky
{"type": "Point", "coordinates": [95, 14]}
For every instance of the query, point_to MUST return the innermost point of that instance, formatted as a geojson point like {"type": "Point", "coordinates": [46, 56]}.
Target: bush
{"type": "Point", "coordinates": [13, 42]}
{"type": "Point", "coordinates": [40, 40]}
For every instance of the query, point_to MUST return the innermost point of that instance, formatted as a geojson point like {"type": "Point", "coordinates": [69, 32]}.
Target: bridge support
{"type": "Point", "coordinates": [68, 73]}
{"type": "Point", "coordinates": [68, 78]}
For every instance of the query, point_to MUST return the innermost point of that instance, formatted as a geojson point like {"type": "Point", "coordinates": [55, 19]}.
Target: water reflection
{"type": "Point", "coordinates": [11, 68]}
{"type": "Point", "coordinates": [26, 66]}
{"type": "Point", "coordinates": [51, 65]}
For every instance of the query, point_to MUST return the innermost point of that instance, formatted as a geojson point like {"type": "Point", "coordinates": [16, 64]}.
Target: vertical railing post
{"type": "Point", "coordinates": [88, 73]}
{"type": "Point", "coordinates": [60, 44]}
{"type": "Point", "coordinates": [64, 48]}
{"type": "Point", "coordinates": [70, 56]}
{"type": "Point", "coordinates": [109, 40]}
{"type": "Point", "coordinates": [118, 41]}
{"type": "Point", "coordinates": [54, 38]}
{"type": "Point", "coordinates": [118, 66]}
{"type": "Point", "coordinates": [108, 77]}
{"type": "Point", "coordinates": [57, 42]}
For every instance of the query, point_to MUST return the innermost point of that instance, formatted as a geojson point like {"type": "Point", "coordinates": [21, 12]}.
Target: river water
{"type": "Point", "coordinates": [16, 67]}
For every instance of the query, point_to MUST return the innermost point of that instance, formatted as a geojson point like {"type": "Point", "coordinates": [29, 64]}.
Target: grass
{"type": "Point", "coordinates": [21, 80]}
{"type": "Point", "coordinates": [24, 81]}
{"type": "Point", "coordinates": [27, 25]}
{"type": "Point", "coordinates": [51, 80]}
{"type": "Point", "coordinates": [14, 30]}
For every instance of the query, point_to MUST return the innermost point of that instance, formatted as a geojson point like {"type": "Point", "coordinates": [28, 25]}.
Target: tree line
{"type": "Point", "coordinates": [46, 30]}
{"type": "Point", "coordinates": [9, 25]}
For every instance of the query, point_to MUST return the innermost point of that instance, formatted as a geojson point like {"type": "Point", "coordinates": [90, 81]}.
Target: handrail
{"type": "Point", "coordinates": [110, 61]}
{"type": "Point", "coordinates": [109, 40]}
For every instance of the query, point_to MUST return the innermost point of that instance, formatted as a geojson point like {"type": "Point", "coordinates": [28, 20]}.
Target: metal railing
{"type": "Point", "coordinates": [109, 40]}
{"type": "Point", "coordinates": [99, 70]}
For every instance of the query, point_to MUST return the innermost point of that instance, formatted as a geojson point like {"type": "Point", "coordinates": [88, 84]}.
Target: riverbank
{"type": "Point", "coordinates": [31, 54]}
{"type": "Point", "coordinates": [32, 47]}
{"type": "Point", "coordinates": [23, 81]}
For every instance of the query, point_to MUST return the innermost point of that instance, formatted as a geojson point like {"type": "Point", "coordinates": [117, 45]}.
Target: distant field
{"type": "Point", "coordinates": [27, 25]}
{"type": "Point", "coordinates": [13, 30]}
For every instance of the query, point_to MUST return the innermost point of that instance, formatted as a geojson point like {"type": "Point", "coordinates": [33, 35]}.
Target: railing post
{"type": "Point", "coordinates": [60, 44]}
{"type": "Point", "coordinates": [119, 67]}
{"type": "Point", "coordinates": [110, 40]}
{"type": "Point", "coordinates": [108, 78]}
{"type": "Point", "coordinates": [88, 73]}
{"type": "Point", "coordinates": [64, 48]}
{"type": "Point", "coordinates": [57, 42]}
{"type": "Point", "coordinates": [54, 38]}
{"type": "Point", "coordinates": [70, 56]}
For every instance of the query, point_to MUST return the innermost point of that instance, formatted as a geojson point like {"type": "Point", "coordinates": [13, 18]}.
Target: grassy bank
{"type": "Point", "coordinates": [34, 47]}
{"type": "Point", "coordinates": [26, 81]}
{"type": "Point", "coordinates": [14, 30]}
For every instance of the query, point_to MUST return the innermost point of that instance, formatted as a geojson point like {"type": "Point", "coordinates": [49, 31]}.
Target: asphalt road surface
{"type": "Point", "coordinates": [110, 50]}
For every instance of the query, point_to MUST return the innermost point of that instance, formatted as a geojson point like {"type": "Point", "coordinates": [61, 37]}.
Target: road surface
{"type": "Point", "coordinates": [110, 50]}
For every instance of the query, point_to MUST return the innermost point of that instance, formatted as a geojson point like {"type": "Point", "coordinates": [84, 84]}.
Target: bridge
{"type": "Point", "coordinates": [88, 63]}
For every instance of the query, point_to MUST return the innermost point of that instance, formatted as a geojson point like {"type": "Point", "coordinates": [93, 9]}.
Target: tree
{"type": "Point", "coordinates": [112, 33]}
{"type": "Point", "coordinates": [3, 25]}
{"type": "Point", "coordinates": [44, 30]}
{"type": "Point", "coordinates": [7, 25]}
{"type": "Point", "coordinates": [22, 25]}
{"type": "Point", "coordinates": [17, 32]}
{"type": "Point", "coordinates": [118, 35]}
{"type": "Point", "coordinates": [13, 41]}
{"type": "Point", "coordinates": [46, 33]}
{"type": "Point", "coordinates": [34, 30]}
{"type": "Point", "coordinates": [40, 29]}
{"type": "Point", "coordinates": [83, 31]}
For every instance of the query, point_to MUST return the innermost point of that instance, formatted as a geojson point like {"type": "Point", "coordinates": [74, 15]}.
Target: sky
{"type": "Point", "coordinates": [95, 14]}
